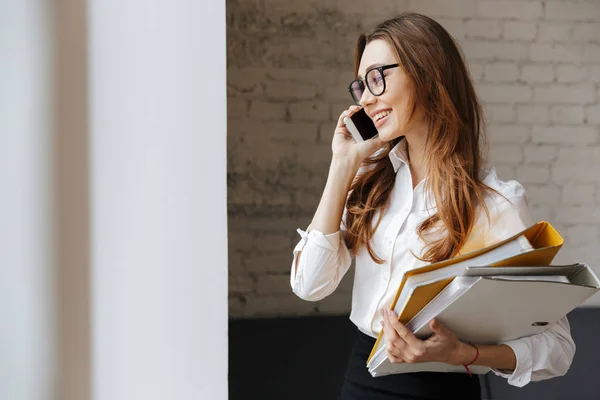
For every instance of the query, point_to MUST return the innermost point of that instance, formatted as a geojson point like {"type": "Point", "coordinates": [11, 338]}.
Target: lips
{"type": "Point", "coordinates": [381, 117]}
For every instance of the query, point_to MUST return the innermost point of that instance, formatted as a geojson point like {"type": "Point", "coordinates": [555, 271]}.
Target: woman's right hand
{"type": "Point", "coordinates": [343, 145]}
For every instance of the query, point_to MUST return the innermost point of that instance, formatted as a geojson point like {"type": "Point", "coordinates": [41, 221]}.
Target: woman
{"type": "Point", "coordinates": [418, 193]}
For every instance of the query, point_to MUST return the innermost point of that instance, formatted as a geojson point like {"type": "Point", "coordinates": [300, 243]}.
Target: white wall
{"type": "Point", "coordinates": [27, 315]}
{"type": "Point", "coordinates": [158, 199]}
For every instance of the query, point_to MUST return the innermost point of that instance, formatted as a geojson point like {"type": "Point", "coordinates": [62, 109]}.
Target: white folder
{"type": "Point", "coordinates": [490, 305]}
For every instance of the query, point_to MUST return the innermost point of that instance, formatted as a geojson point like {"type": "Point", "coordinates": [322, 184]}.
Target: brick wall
{"type": "Point", "coordinates": [536, 65]}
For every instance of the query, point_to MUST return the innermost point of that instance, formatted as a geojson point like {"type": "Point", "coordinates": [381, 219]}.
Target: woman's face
{"type": "Point", "coordinates": [390, 110]}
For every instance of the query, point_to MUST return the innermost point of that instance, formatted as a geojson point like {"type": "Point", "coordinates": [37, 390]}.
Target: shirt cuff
{"type": "Point", "coordinates": [329, 242]}
{"type": "Point", "coordinates": [521, 376]}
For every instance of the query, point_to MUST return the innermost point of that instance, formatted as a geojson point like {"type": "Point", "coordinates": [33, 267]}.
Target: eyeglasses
{"type": "Point", "coordinates": [375, 82]}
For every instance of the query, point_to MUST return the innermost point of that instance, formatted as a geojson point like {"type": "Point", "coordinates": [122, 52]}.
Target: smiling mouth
{"type": "Point", "coordinates": [381, 118]}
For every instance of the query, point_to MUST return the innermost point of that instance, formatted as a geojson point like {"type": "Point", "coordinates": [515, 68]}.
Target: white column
{"type": "Point", "coordinates": [27, 308]}
{"type": "Point", "coordinates": [158, 199]}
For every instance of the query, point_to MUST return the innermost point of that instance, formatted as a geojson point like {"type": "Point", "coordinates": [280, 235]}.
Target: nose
{"type": "Point", "coordinates": [367, 98]}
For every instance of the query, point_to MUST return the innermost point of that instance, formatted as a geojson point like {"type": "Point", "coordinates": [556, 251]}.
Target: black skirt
{"type": "Point", "coordinates": [359, 384]}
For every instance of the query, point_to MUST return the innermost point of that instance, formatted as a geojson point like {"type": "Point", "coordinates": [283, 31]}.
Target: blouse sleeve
{"type": "Point", "coordinates": [550, 353]}
{"type": "Point", "coordinates": [324, 262]}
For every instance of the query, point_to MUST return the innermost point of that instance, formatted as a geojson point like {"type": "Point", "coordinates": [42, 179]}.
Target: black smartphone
{"type": "Point", "coordinates": [360, 126]}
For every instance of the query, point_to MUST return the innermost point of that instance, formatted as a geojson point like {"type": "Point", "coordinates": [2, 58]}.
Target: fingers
{"type": "Point", "coordinates": [341, 126]}
{"type": "Point", "coordinates": [402, 331]}
{"type": "Point", "coordinates": [439, 329]}
{"type": "Point", "coordinates": [390, 333]}
{"type": "Point", "coordinates": [403, 345]}
{"type": "Point", "coordinates": [347, 113]}
{"type": "Point", "coordinates": [376, 141]}
{"type": "Point", "coordinates": [394, 354]}
{"type": "Point", "coordinates": [395, 344]}
{"type": "Point", "coordinates": [369, 147]}
{"type": "Point", "coordinates": [353, 108]}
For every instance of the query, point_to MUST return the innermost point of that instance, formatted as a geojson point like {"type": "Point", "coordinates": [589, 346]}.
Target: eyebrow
{"type": "Point", "coordinates": [371, 67]}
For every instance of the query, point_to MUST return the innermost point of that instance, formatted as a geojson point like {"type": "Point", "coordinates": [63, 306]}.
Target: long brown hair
{"type": "Point", "coordinates": [441, 86]}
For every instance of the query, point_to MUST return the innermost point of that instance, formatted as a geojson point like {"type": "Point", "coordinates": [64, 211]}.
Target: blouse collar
{"type": "Point", "coordinates": [399, 154]}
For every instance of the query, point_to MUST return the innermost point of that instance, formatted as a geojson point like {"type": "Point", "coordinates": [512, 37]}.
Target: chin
{"type": "Point", "coordinates": [387, 135]}
{"type": "Point", "coordinates": [384, 138]}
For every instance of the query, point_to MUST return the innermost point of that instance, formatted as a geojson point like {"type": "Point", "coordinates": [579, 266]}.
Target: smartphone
{"type": "Point", "coordinates": [360, 126]}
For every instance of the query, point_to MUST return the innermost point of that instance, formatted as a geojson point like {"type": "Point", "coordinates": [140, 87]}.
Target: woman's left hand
{"type": "Point", "coordinates": [404, 347]}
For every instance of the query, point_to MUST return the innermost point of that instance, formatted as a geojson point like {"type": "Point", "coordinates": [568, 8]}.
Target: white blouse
{"type": "Point", "coordinates": [325, 259]}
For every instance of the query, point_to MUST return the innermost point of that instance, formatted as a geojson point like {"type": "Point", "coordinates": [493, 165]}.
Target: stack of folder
{"type": "Point", "coordinates": [503, 292]}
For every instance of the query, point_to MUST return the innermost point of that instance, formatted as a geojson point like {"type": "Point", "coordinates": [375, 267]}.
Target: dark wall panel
{"type": "Point", "coordinates": [305, 358]}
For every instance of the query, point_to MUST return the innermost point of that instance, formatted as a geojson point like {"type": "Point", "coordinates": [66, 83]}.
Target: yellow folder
{"type": "Point", "coordinates": [542, 236]}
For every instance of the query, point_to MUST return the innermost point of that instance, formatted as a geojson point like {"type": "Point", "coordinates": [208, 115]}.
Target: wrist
{"type": "Point", "coordinates": [345, 161]}
{"type": "Point", "coordinates": [464, 353]}
{"type": "Point", "coordinates": [344, 167]}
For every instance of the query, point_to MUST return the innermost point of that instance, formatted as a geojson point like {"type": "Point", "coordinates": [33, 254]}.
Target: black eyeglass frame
{"type": "Point", "coordinates": [366, 82]}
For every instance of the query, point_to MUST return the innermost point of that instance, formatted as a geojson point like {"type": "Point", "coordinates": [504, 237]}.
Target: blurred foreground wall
{"type": "Point", "coordinates": [113, 259]}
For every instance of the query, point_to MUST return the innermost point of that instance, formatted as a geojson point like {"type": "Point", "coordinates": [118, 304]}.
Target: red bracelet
{"type": "Point", "coordinates": [476, 356]}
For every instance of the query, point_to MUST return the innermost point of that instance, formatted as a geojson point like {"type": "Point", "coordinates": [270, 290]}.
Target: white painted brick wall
{"type": "Point", "coordinates": [501, 72]}
{"type": "Point", "coordinates": [579, 194]}
{"type": "Point", "coordinates": [583, 234]}
{"type": "Point", "coordinates": [520, 30]}
{"type": "Point", "coordinates": [582, 93]}
{"type": "Point", "coordinates": [532, 174]}
{"type": "Point", "coordinates": [543, 194]}
{"type": "Point", "coordinates": [571, 11]}
{"type": "Point", "coordinates": [481, 50]}
{"type": "Point", "coordinates": [595, 74]}
{"type": "Point", "coordinates": [552, 52]}
{"type": "Point", "coordinates": [528, 113]}
{"type": "Point", "coordinates": [578, 155]}
{"type": "Point", "coordinates": [593, 114]}
{"type": "Point", "coordinates": [586, 32]}
{"type": "Point", "coordinates": [567, 73]}
{"type": "Point", "coordinates": [540, 154]}
{"type": "Point", "coordinates": [567, 135]}
{"type": "Point", "coordinates": [536, 67]}
{"type": "Point", "coordinates": [506, 93]}
{"type": "Point", "coordinates": [506, 154]}
{"type": "Point", "coordinates": [554, 32]}
{"type": "Point", "coordinates": [537, 73]}
{"type": "Point", "coordinates": [568, 114]}
{"type": "Point", "coordinates": [260, 109]}
{"type": "Point", "coordinates": [443, 8]}
{"type": "Point", "coordinates": [484, 28]}
{"type": "Point", "coordinates": [509, 134]}
{"type": "Point", "coordinates": [500, 113]}
{"type": "Point", "coordinates": [517, 10]}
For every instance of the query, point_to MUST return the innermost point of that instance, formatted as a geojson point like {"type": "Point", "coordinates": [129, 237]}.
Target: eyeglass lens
{"type": "Point", "coordinates": [374, 81]}
{"type": "Point", "coordinates": [358, 88]}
